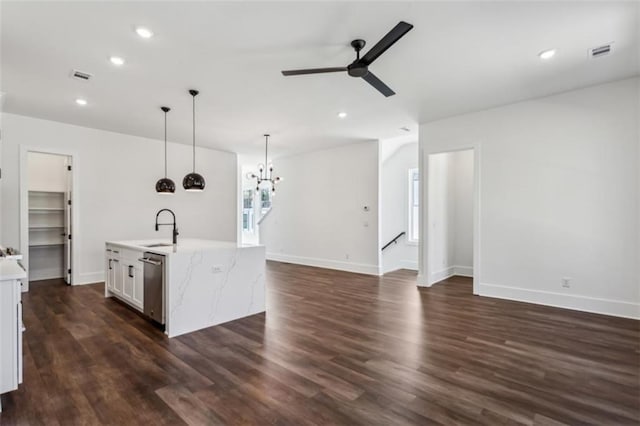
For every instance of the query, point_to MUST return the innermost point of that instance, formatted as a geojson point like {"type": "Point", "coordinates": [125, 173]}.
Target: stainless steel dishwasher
{"type": "Point", "coordinates": [154, 286]}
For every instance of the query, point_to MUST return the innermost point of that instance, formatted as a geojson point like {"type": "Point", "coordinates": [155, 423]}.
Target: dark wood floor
{"type": "Point", "coordinates": [334, 348]}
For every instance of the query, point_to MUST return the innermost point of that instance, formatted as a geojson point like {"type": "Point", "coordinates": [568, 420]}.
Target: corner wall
{"type": "Point", "coordinates": [559, 197]}
{"type": "Point", "coordinates": [116, 175]}
{"type": "Point", "coordinates": [394, 208]}
{"type": "Point", "coordinates": [318, 215]}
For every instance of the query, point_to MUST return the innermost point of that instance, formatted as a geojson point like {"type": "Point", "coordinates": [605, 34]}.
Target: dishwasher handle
{"type": "Point", "coordinates": [150, 261]}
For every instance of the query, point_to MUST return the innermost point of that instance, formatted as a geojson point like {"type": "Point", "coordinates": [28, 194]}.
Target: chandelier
{"type": "Point", "coordinates": [266, 178]}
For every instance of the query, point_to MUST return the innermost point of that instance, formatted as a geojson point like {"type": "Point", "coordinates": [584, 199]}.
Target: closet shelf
{"type": "Point", "coordinates": [46, 192]}
{"type": "Point", "coordinates": [45, 245]}
{"type": "Point", "coordinates": [43, 228]}
{"type": "Point", "coordinates": [46, 209]}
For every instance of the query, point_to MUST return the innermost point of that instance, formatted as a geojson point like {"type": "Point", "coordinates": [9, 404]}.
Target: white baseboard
{"type": "Point", "coordinates": [90, 278]}
{"type": "Point", "coordinates": [463, 271]}
{"type": "Point", "coordinates": [568, 301]}
{"type": "Point", "coordinates": [422, 281]}
{"type": "Point", "coordinates": [45, 274]}
{"type": "Point", "coordinates": [359, 268]}
{"type": "Point", "coordinates": [403, 264]}
{"type": "Point", "coordinates": [443, 274]}
{"type": "Point", "coordinates": [409, 264]}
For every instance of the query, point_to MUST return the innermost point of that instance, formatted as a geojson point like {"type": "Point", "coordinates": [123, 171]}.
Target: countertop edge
{"type": "Point", "coordinates": [169, 250]}
{"type": "Point", "coordinates": [11, 270]}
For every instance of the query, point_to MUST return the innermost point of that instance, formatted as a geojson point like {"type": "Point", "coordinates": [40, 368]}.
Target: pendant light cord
{"type": "Point", "coordinates": [165, 144]}
{"type": "Point", "coordinates": [266, 161]}
{"type": "Point", "coordinates": [194, 133]}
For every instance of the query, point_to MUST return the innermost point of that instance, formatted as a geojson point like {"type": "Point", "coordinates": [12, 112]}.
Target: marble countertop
{"type": "Point", "coordinates": [185, 245]}
{"type": "Point", "coordinates": [11, 270]}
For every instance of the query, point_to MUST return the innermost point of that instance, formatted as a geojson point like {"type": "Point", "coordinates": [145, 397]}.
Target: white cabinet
{"type": "Point", "coordinates": [128, 275]}
{"type": "Point", "coordinates": [117, 277]}
{"type": "Point", "coordinates": [138, 285]}
{"type": "Point", "coordinates": [11, 329]}
{"type": "Point", "coordinates": [124, 276]}
{"type": "Point", "coordinates": [113, 279]}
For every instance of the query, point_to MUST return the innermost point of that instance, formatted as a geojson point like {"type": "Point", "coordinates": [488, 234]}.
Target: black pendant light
{"type": "Point", "coordinates": [193, 181]}
{"type": "Point", "coordinates": [165, 185]}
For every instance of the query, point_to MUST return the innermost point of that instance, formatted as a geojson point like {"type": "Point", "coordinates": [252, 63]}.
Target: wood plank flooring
{"type": "Point", "coordinates": [333, 348]}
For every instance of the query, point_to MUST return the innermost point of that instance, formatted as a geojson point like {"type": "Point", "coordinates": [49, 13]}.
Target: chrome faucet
{"type": "Point", "coordinates": [175, 230]}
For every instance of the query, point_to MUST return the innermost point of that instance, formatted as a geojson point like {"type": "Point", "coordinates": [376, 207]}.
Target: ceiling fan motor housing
{"type": "Point", "coordinates": [357, 70]}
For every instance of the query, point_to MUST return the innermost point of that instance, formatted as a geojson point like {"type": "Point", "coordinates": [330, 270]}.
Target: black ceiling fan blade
{"type": "Point", "coordinates": [313, 71]}
{"type": "Point", "coordinates": [386, 42]}
{"type": "Point", "coordinates": [378, 84]}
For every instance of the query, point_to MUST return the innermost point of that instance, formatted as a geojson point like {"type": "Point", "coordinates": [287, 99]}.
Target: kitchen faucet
{"type": "Point", "coordinates": [175, 230]}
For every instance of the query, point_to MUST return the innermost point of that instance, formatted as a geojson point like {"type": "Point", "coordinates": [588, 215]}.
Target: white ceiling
{"type": "Point", "coordinates": [460, 57]}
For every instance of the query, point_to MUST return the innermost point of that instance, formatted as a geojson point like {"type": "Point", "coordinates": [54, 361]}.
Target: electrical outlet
{"type": "Point", "coordinates": [346, 256]}
{"type": "Point", "coordinates": [566, 282]}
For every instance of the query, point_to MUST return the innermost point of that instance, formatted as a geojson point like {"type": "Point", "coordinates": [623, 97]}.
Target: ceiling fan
{"type": "Point", "coordinates": [360, 67]}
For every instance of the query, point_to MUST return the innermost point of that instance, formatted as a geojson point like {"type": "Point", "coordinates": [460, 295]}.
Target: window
{"type": "Point", "coordinates": [265, 199]}
{"type": "Point", "coordinates": [414, 205]}
{"type": "Point", "coordinates": [247, 210]}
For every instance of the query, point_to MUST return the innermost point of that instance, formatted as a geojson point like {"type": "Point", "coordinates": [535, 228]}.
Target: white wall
{"type": "Point", "coordinates": [116, 198]}
{"type": "Point", "coordinates": [318, 215]}
{"type": "Point", "coordinates": [450, 203]}
{"type": "Point", "coordinates": [394, 207]}
{"type": "Point", "coordinates": [463, 181]}
{"type": "Point", "coordinates": [558, 197]}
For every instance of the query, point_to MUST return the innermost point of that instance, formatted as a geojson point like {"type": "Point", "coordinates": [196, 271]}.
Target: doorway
{"type": "Point", "coordinates": [451, 216]}
{"type": "Point", "coordinates": [47, 213]}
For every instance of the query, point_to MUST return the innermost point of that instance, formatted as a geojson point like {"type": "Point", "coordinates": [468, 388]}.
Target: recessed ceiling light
{"type": "Point", "coordinates": [144, 32]}
{"type": "Point", "coordinates": [116, 60]}
{"type": "Point", "coordinates": [81, 101]}
{"type": "Point", "coordinates": [547, 54]}
{"type": "Point", "coordinates": [342, 114]}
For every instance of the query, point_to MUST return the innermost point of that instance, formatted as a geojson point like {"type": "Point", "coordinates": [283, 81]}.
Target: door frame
{"type": "Point", "coordinates": [24, 206]}
{"type": "Point", "coordinates": [424, 275]}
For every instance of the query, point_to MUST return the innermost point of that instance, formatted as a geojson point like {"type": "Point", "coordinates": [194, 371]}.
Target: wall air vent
{"type": "Point", "coordinates": [81, 75]}
{"type": "Point", "coordinates": [599, 51]}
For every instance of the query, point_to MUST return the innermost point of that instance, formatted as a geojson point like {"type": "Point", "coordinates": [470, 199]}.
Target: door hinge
{"type": "Point", "coordinates": [69, 236]}
{"type": "Point", "coordinates": [69, 168]}
{"type": "Point", "coordinates": [69, 202]}
{"type": "Point", "coordinates": [68, 271]}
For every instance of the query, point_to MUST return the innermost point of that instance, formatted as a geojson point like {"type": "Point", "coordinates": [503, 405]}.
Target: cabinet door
{"type": "Point", "coordinates": [128, 273]}
{"type": "Point", "coordinates": [109, 274]}
{"type": "Point", "coordinates": [138, 285]}
{"type": "Point", "coordinates": [117, 276]}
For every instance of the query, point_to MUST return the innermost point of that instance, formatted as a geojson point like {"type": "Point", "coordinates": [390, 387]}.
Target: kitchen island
{"type": "Point", "coordinates": [203, 282]}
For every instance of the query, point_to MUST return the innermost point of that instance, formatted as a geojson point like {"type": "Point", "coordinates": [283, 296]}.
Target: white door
{"type": "Point", "coordinates": [67, 223]}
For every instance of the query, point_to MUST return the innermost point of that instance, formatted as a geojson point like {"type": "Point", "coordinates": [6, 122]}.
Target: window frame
{"type": "Point", "coordinates": [413, 206]}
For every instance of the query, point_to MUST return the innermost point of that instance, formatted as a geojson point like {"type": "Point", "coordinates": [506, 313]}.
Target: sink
{"type": "Point", "coordinates": [157, 245]}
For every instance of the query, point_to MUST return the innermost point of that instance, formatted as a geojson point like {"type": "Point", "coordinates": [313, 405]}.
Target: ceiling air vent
{"type": "Point", "coordinates": [599, 51]}
{"type": "Point", "coordinates": [81, 75]}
